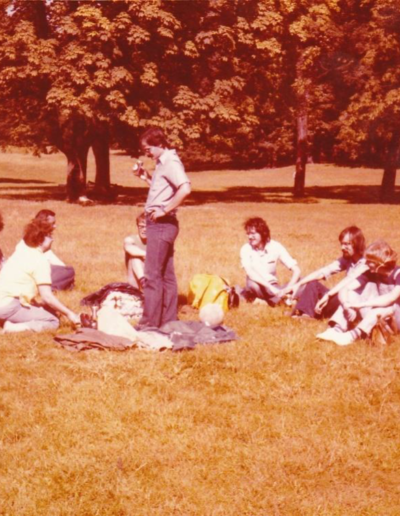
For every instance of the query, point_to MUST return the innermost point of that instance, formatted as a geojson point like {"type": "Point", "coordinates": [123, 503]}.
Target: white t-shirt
{"type": "Point", "coordinates": [23, 272]}
{"type": "Point", "coordinates": [264, 261]}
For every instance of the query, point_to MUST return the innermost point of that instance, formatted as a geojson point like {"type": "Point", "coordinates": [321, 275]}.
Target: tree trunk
{"type": "Point", "coordinates": [76, 173]}
{"type": "Point", "coordinates": [101, 151]}
{"type": "Point", "coordinates": [388, 184]}
{"type": "Point", "coordinates": [302, 130]}
{"type": "Point", "coordinates": [302, 155]}
{"type": "Point", "coordinates": [74, 140]}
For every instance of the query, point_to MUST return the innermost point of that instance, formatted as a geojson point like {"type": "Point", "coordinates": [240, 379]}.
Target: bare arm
{"type": "Point", "coordinates": [380, 301]}
{"type": "Point", "coordinates": [294, 287]}
{"type": "Point", "coordinates": [50, 299]}
{"type": "Point", "coordinates": [180, 195]}
{"type": "Point", "coordinates": [295, 276]}
{"type": "Point", "coordinates": [343, 284]}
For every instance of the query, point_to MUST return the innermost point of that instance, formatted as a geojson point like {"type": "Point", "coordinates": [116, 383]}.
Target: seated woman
{"type": "Point", "coordinates": [259, 259]}
{"type": "Point", "coordinates": [374, 294]}
{"type": "Point", "coordinates": [26, 274]}
{"type": "Point", "coordinates": [313, 298]}
{"type": "Point", "coordinates": [135, 253]}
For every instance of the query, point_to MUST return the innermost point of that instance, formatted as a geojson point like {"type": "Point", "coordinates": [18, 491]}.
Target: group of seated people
{"type": "Point", "coordinates": [369, 290]}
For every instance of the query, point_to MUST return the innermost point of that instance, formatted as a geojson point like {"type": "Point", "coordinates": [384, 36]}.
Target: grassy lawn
{"type": "Point", "coordinates": [275, 424]}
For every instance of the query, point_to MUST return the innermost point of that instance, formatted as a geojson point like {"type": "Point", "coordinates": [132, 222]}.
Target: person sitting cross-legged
{"type": "Point", "coordinates": [259, 259]}
{"type": "Point", "coordinates": [26, 274]}
{"type": "Point", "coordinates": [374, 294]}
{"type": "Point", "coordinates": [314, 299]}
{"type": "Point", "coordinates": [135, 254]}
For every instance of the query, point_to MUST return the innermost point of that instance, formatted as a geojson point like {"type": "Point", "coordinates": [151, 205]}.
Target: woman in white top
{"type": "Point", "coordinates": [26, 274]}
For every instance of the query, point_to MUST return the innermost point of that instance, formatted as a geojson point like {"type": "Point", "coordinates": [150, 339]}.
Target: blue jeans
{"type": "Point", "coordinates": [161, 288]}
{"type": "Point", "coordinates": [261, 292]}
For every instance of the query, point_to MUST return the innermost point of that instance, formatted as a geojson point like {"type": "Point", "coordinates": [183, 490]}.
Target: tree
{"type": "Point", "coordinates": [67, 70]}
{"type": "Point", "coordinates": [370, 124]}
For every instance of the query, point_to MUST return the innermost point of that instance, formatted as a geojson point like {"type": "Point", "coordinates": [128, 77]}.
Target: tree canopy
{"type": "Point", "coordinates": [238, 82]}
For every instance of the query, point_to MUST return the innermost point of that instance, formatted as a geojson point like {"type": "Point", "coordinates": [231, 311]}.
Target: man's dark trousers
{"type": "Point", "coordinates": [161, 289]}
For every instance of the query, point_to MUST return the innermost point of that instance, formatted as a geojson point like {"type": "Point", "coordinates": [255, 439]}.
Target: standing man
{"type": "Point", "coordinates": [169, 187]}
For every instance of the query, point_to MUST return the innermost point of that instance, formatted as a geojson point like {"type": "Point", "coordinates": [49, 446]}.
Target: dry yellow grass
{"type": "Point", "coordinates": [276, 424]}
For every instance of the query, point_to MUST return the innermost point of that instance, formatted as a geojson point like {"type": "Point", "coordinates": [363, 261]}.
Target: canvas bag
{"type": "Point", "coordinates": [210, 288]}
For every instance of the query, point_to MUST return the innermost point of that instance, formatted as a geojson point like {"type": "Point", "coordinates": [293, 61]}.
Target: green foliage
{"type": "Point", "coordinates": [370, 122]}
{"type": "Point", "coordinates": [230, 77]}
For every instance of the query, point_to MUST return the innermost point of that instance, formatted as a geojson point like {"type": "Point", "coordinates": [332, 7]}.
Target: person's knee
{"type": "Point", "coordinates": [128, 241]}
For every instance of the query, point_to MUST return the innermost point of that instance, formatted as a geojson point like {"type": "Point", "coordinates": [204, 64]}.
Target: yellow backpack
{"type": "Point", "coordinates": [208, 288]}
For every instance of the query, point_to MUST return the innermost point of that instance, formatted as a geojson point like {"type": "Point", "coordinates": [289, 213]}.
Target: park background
{"type": "Point", "coordinates": [276, 423]}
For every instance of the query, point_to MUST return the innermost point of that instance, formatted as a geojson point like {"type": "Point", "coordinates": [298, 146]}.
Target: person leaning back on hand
{"type": "Point", "coordinates": [169, 187]}
{"type": "Point", "coordinates": [26, 274]}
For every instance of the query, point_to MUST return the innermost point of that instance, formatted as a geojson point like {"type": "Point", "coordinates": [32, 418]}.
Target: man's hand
{"type": "Point", "coordinates": [349, 313]}
{"type": "Point", "coordinates": [141, 172]}
{"type": "Point", "coordinates": [73, 317]}
{"type": "Point", "coordinates": [157, 213]}
{"type": "Point", "coordinates": [321, 304]}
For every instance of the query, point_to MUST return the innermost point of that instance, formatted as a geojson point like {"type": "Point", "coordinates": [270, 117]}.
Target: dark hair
{"type": "Point", "coordinates": [1, 222]}
{"type": "Point", "coordinates": [141, 218]}
{"type": "Point", "coordinates": [154, 136]}
{"type": "Point", "coordinates": [260, 226]}
{"type": "Point", "coordinates": [36, 231]}
{"type": "Point", "coordinates": [357, 238]}
{"type": "Point", "coordinates": [44, 214]}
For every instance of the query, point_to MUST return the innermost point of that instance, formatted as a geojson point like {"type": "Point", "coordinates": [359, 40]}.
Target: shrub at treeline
{"type": "Point", "coordinates": [238, 82]}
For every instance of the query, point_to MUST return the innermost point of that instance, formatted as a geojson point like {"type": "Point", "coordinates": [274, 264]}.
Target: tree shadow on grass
{"type": "Point", "coordinates": [33, 193]}
{"type": "Point", "coordinates": [13, 180]}
{"type": "Point", "coordinates": [352, 194]}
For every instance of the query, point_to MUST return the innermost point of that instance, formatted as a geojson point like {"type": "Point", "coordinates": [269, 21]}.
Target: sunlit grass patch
{"type": "Point", "coordinates": [276, 423]}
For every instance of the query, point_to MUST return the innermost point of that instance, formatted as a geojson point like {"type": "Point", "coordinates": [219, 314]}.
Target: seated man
{"type": "Point", "coordinates": [26, 274]}
{"type": "Point", "coordinates": [316, 300]}
{"type": "Point", "coordinates": [259, 259]}
{"type": "Point", "coordinates": [62, 276]}
{"type": "Point", "coordinates": [373, 294]}
{"type": "Point", "coordinates": [135, 253]}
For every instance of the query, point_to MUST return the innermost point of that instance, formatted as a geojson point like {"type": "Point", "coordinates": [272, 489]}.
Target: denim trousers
{"type": "Point", "coordinates": [308, 297]}
{"type": "Point", "coordinates": [262, 292]}
{"type": "Point", "coordinates": [161, 288]}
